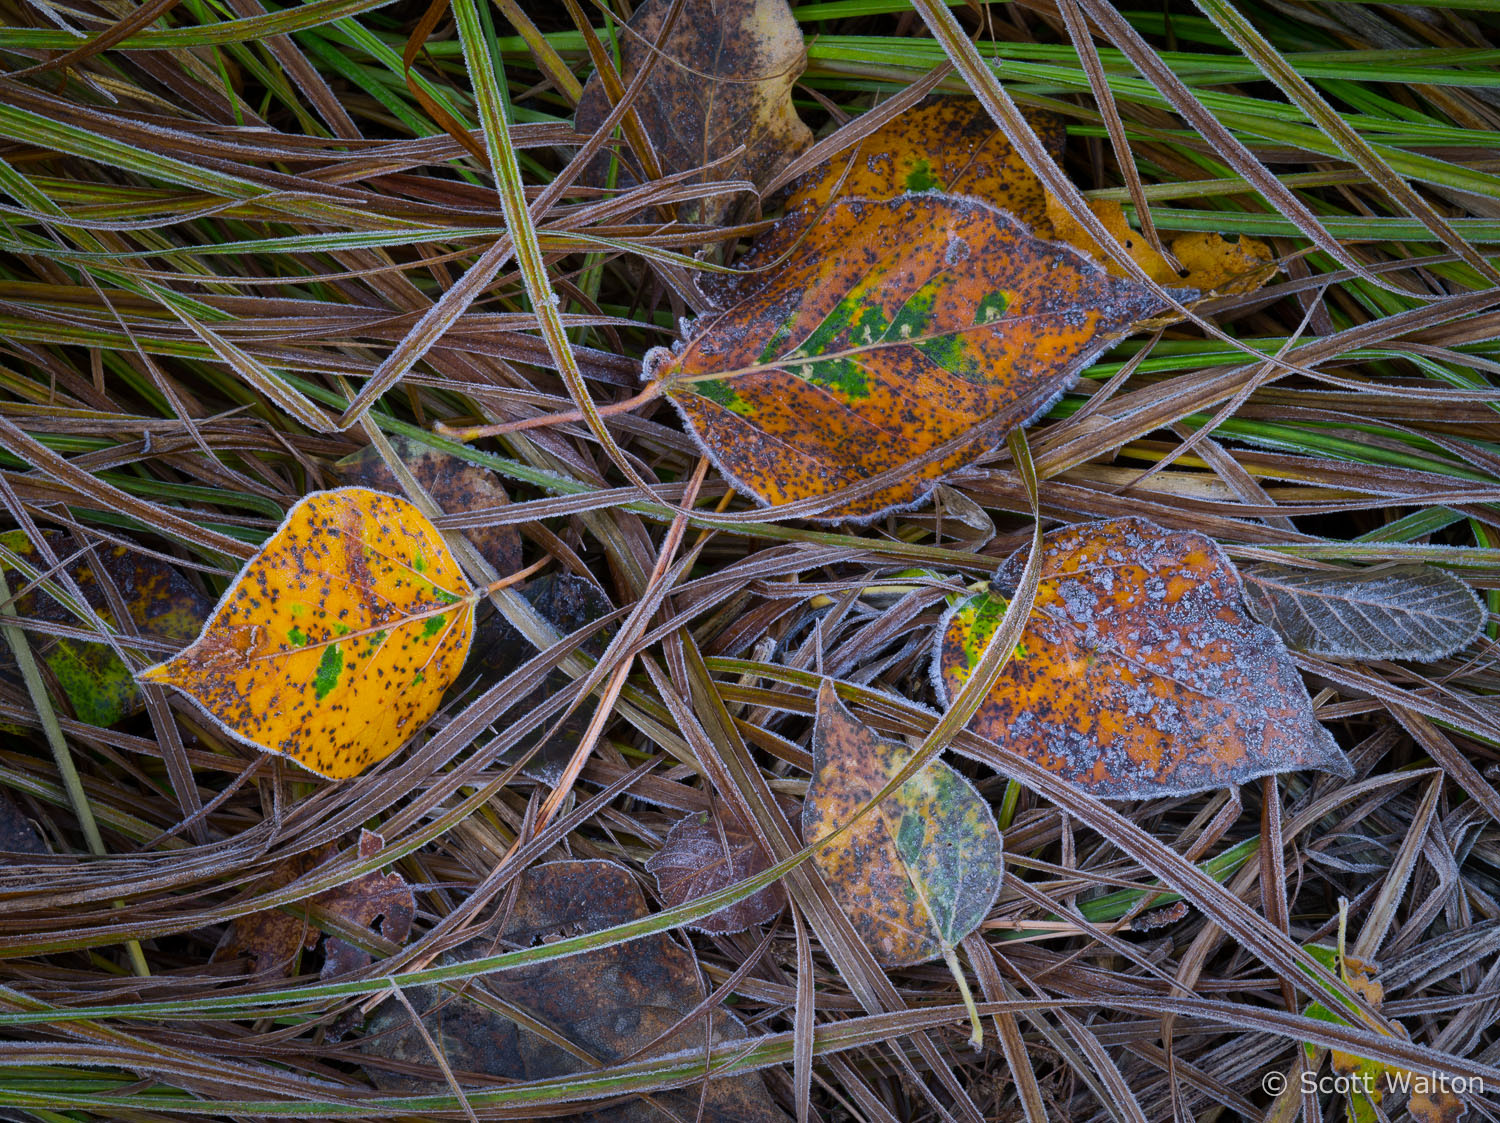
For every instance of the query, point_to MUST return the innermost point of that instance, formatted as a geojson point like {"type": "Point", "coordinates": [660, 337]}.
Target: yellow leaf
{"type": "Point", "coordinates": [1210, 262]}
{"type": "Point", "coordinates": [336, 641]}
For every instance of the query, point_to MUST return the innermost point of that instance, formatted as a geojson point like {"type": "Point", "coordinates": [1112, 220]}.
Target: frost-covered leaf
{"type": "Point", "coordinates": [606, 1004]}
{"type": "Point", "coordinates": [336, 641]}
{"type": "Point", "coordinates": [907, 336]}
{"type": "Point", "coordinates": [1139, 673]}
{"type": "Point", "coordinates": [949, 145]}
{"type": "Point", "coordinates": [921, 871]}
{"type": "Point", "coordinates": [163, 604]}
{"type": "Point", "coordinates": [1390, 612]}
{"type": "Point", "coordinates": [721, 81]}
{"type": "Point", "coordinates": [702, 855]}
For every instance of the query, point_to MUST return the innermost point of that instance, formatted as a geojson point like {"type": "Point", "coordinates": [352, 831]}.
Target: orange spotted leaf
{"type": "Point", "coordinates": [1139, 673]}
{"type": "Point", "coordinates": [920, 872]}
{"type": "Point", "coordinates": [338, 638]}
{"type": "Point", "coordinates": [902, 341]}
{"type": "Point", "coordinates": [945, 144]}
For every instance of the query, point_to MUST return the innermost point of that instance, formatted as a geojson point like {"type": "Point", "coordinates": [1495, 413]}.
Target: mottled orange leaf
{"type": "Point", "coordinates": [701, 855]}
{"type": "Point", "coordinates": [905, 336]}
{"type": "Point", "coordinates": [920, 872]}
{"type": "Point", "coordinates": [946, 144]}
{"type": "Point", "coordinates": [1211, 263]}
{"type": "Point", "coordinates": [336, 641]}
{"type": "Point", "coordinates": [720, 89]}
{"type": "Point", "coordinates": [1139, 673]}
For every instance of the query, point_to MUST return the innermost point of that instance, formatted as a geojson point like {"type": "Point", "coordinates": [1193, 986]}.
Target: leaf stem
{"type": "Point", "coordinates": [505, 582]}
{"type": "Point", "coordinates": [652, 391]}
{"type": "Point", "coordinates": [976, 1036]}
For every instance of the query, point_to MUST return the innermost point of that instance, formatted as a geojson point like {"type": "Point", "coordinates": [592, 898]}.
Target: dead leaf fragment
{"type": "Point", "coordinates": [376, 902]}
{"type": "Point", "coordinates": [702, 855]}
{"type": "Point", "coordinates": [163, 604]}
{"type": "Point", "coordinates": [1139, 673]}
{"type": "Point", "coordinates": [906, 336]}
{"type": "Point", "coordinates": [1388, 612]}
{"type": "Point", "coordinates": [1211, 263]}
{"type": "Point", "coordinates": [603, 1006]}
{"type": "Point", "coordinates": [454, 484]}
{"type": "Point", "coordinates": [335, 643]}
{"type": "Point", "coordinates": [722, 79]}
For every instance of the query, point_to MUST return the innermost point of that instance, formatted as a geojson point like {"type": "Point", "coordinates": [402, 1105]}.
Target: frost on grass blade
{"type": "Point", "coordinates": [1139, 673]}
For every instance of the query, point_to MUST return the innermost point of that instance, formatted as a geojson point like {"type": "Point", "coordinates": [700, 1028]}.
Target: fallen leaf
{"type": "Point", "coordinates": [701, 855]}
{"type": "Point", "coordinates": [905, 336]}
{"type": "Point", "coordinates": [946, 144]}
{"type": "Point", "coordinates": [921, 871]}
{"type": "Point", "coordinates": [337, 639]}
{"type": "Point", "coordinates": [272, 939]}
{"type": "Point", "coordinates": [17, 835]}
{"type": "Point", "coordinates": [568, 603]}
{"type": "Point", "coordinates": [454, 484]}
{"type": "Point", "coordinates": [1389, 612]}
{"type": "Point", "coordinates": [602, 1006]}
{"type": "Point", "coordinates": [163, 605]}
{"type": "Point", "coordinates": [1139, 673]}
{"type": "Point", "coordinates": [722, 79]}
{"type": "Point", "coordinates": [1430, 1100]}
{"type": "Point", "coordinates": [1211, 263]}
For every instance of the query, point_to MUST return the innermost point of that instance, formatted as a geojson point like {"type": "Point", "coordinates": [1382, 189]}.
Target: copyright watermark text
{"type": "Point", "coordinates": [1371, 1084]}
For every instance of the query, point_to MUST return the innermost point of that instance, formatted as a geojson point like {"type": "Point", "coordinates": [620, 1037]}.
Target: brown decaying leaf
{"type": "Point", "coordinates": [900, 328]}
{"type": "Point", "coordinates": [608, 1003]}
{"type": "Point", "coordinates": [723, 78]}
{"type": "Point", "coordinates": [272, 939]}
{"type": "Point", "coordinates": [338, 638]}
{"type": "Point", "coordinates": [454, 484]}
{"type": "Point", "coordinates": [163, 605]}
{"type": "Point", "coordinates": [1139, 673]}
{"type": "Point", "coordinates": [1390, 612]}
{"type": "Point", "coordinates": [703, 854]}
{"type": "Point", "coordinates": [568, 603]}
{"type": "Point", "coordinates": [1211, 263]}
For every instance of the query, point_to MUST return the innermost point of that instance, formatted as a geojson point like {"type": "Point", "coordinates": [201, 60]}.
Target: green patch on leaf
{"type": "Point", "coordinates": [718, 391]}
{"type": "Point", "coordinates": [432, 626]}
{"type": "Point", "coordinates": [991, 307]}
{"type": "Point", "coordinates": [297, 637]}
{"type": "Point", "coordinates": [329, 669]}
{"type": "Point", "coordinates": [843, 375]}
{"type": "Point", "coordinates": [920, 178]}
{"type": "Point", "coordinates": [419, 563]}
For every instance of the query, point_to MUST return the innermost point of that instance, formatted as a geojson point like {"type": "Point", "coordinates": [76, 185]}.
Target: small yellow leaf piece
{"type": "Point", "coordinates": [338, 638]}
{"type": "Point", "coordinates": [1211, 263]}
